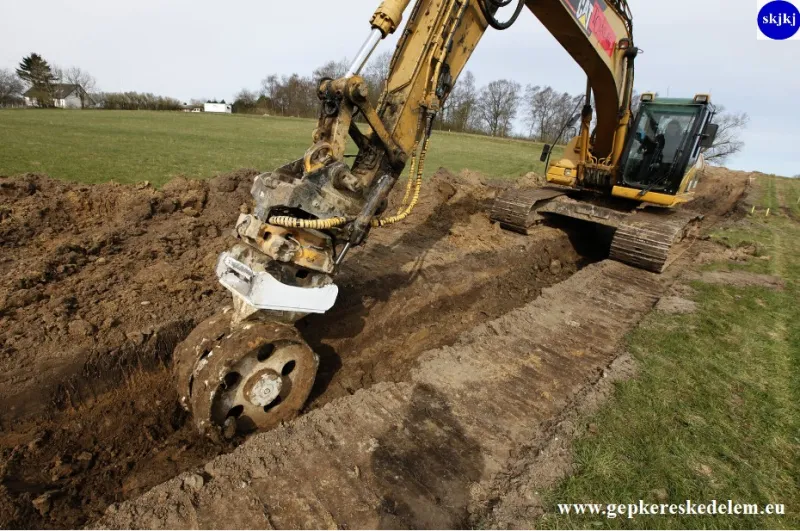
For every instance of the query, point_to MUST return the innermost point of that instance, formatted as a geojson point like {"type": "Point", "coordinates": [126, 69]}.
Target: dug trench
{"type": "Point", "coordinates": [99, 283]}
{"type": "Point", "coordinates": [443, 447]}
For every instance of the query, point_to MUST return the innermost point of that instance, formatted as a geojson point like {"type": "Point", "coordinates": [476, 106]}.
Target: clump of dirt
{"type": "Point", "coordinates": [99, 284]}
{"type": "Point", "coordinates": [719, 193]}
{"type": "Point", "coordinates": [531, 180]}
{"type": "Point", "coordinates": [745, 252]}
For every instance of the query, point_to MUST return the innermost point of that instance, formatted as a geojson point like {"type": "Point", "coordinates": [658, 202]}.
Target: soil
{"type": "Point", "coordinates": [431, 452]}
{"type": "Point", "coordinates": [99, 283]}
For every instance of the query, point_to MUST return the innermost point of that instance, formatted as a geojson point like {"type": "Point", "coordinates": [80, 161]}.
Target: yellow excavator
{"type": "Point", "coordinates": [247, 368]}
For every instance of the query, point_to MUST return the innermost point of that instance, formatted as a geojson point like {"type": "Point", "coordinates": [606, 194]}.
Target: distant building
{"type": "Point", "coordinates": [187, 107]}
{"type": "Point", "coordinates": [64, 96]}
{"type": "Point", "coordinates": [218, 107]}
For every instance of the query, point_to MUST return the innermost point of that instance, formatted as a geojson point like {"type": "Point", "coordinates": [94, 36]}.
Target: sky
{"type": "Point", "coordinates": [202, 49]}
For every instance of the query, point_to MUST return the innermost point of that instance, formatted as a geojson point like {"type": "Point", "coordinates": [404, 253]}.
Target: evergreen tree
{"type": "Point", "coordinates": [36, 71]}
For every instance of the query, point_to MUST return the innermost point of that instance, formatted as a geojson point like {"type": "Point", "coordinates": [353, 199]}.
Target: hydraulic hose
{"type": "Point", "coordinates": [319, 224]}
{"type": "Point", "coordinates": [404, 213]}
{"type": "Point", "coordinates": [492, 20]}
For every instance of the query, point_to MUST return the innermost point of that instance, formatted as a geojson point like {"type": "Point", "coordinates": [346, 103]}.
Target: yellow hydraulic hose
{"type": "Point", "coordinates": [410, 182]}
{"type": "Point", "coordinates": [414, 183]}
{"type": "Point", "coordinates": [319, 224]}
{"type": "Point", "coordinates": [414, 199]}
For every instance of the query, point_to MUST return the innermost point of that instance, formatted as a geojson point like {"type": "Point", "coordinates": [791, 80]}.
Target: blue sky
{"type": "Point", "coordinates": [197, 48]}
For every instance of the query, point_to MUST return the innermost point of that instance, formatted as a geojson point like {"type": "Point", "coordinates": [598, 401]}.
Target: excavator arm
{"type": "Point", "coordinates": [436, 45]}
{"type": "Point", "coordinates": [247, 368]}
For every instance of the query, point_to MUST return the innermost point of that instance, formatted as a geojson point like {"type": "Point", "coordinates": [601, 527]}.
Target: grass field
{"type": "Point", "coordinates": [133, 146]}
{"type": "Point", "coordinates": [714, 413]}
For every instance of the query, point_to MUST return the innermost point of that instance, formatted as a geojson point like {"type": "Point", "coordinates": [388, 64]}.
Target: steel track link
{"type": "Point", "coordinates": [647, 240]}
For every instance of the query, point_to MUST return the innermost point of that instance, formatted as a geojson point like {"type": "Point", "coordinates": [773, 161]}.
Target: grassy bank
{"type": "Point", "coordinates": [714, 413]}
{"type": "Point", "coordinates": [132, 146]}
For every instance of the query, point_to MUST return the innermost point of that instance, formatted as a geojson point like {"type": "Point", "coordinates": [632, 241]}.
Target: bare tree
{"type": "Point", "coordinates": [331, 70]}
{"type": "Point", "coordinates": [77, 76]}
{"type": "Point", "coordinates": [728, 141]}
{"type": "Point", "coordinates": [246, 97]}
{"type": "Point", "coordinates": [11, 87]}
{"type": "Point", "coordinates": [270, 86]}
{"type": "Point", "coordinates": [458, 113]}
{"type": "Point", "coordinates": [247, 101]}
{"type": "Point", "coordinates": [58, 74]}
{"type": "Point", "coordinates": [293, 95]}
{"type": "Point", "coordinates": [497, 106]}
{"type": "Point", "coordinates": [535, 105]}
{"type": "Point", "coordinates": [375, 74]}
{"type": "Point", "coordinates": [548, 111]}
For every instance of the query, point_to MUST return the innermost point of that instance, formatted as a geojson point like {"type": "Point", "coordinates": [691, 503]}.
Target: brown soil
{"type": "Point", "coordinates": [99, 283]}
{"type": "Point", "coordinates": [436, 451]}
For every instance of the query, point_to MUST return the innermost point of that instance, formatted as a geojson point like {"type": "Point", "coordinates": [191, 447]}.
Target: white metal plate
{"type": "Point", "coordinates": [263, 291]}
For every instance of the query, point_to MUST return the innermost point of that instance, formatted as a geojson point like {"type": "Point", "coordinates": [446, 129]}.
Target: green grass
{"type": "Point", "coordinates": [714, 413]}
{"type": "Point", "coordinates": [134, 146]}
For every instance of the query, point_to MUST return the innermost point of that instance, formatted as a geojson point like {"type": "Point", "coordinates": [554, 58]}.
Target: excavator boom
{"type": "Point", "coordinates": [247, 368]}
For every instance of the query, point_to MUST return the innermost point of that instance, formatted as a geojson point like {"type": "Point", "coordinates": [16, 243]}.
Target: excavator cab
{"type": "Point", "coordinates": [667, 139]}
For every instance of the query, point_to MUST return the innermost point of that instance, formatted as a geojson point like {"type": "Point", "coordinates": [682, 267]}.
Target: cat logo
{"type": "Point", "coordinates": [591, 16]}
{"type": "Point", "coordinates": [584, 12]}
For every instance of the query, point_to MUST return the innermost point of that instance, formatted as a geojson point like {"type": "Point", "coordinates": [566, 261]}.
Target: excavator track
{"type": "Point", "coordinates": [515, 209]}
{"type": "Point", "coordinates": [646, 239]}
{"type": "Point", "coordinates": [650, 241]}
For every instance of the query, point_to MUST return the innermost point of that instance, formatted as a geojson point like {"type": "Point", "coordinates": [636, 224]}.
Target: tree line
{"type": "Point", "coordinates": [135, 101]}
{"type": "Point", "coordinates": [547, 115]}
{"type": "Point", "coordinates": [40, 80]}
{"type": "Point", "coordinates": [491, 109]}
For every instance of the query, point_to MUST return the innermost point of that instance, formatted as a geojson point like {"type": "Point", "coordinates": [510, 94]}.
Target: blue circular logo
{"type": "Point", "coordinates": [779, 20]}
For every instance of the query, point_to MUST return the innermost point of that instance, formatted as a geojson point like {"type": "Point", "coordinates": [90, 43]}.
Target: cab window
{"type": "Point", "coordinates": [662, 144]}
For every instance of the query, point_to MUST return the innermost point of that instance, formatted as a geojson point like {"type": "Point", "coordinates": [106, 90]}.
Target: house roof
{"type": "Point", "coordinates": [60, 90]}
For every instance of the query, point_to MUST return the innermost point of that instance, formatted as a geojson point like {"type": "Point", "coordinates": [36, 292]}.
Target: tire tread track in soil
{"type": "Point", "coordinates": [447, 286]}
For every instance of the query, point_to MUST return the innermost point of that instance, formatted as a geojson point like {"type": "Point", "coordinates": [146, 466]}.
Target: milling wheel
{"type": "Point", "coordinates": [248, 378]}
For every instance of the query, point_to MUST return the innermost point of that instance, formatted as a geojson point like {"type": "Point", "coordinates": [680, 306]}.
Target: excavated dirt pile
{"type": "Point", "coordinates": [98, 283]}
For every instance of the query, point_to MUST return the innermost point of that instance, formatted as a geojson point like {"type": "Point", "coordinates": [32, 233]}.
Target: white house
{"type": "Point", "coordinates": [218, 107]}
{"type": "Point", "coordinates": [64, 96]}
